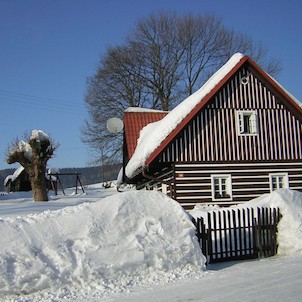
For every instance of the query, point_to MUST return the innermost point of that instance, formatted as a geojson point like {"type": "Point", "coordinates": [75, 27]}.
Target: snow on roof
{"type": "Point", "coordinates": [7, 178]}
{"type": "Point", "coordinates": [140, 109]}
{"type": "Point", "coordinates": [14, 175]}
{"type": "Point", "coordinates": [154, 134]}
{"type": "Point", "coordinates": [135, 121]}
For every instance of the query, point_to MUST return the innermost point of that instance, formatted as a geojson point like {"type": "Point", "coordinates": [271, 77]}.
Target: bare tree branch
{"type": "Point", "coordinates": [165, 59]}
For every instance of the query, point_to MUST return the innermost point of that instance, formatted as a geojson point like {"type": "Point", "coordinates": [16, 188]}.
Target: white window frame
{"type": "Point", "coordinates": [253, 122]}
{"type": "Point", "coordinates": [228, 184]}
{"type": "Point", "coordinates": [284, 181]}
{"type": "Point", "coordinates": [164, 188]}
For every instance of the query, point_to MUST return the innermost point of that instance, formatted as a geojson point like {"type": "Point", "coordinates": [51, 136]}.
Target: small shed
{"type": "Point", "coordinates": [18, 181]}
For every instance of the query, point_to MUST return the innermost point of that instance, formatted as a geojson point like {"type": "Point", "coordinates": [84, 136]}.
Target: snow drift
{"type": "Point", "coordinates": [83, 248]}
{"type": "Point", "coordinates": [290, 225]}
{"type": "Point", "coordinates": [120, 240]}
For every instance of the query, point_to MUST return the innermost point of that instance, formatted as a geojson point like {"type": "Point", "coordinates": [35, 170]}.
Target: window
{"type": "Point", "coordinates": [247, 123]}
{"type": "Point", "coordinates": [278, 181]}
{"type": "Point", "coordinates": [221, 187]}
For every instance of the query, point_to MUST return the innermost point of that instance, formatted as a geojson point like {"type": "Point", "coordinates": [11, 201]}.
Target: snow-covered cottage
{"type": "Point", "coordinates": [237, 137]}
{"type": "Point", "coordinates": [18, 181]}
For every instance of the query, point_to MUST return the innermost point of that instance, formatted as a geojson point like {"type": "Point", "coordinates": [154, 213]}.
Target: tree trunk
{"type": "Point", "coordinates": [39, 190]}
{"type": "Point", "coordinates": [38, 181]}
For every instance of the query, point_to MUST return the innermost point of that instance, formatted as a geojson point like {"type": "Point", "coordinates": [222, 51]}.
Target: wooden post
{"type": "Point", "coordinates": [226, 234]}
{"type": "Point", "coordinates": [78, 178]}
{"type": "Point", "coordinates": [235, 232]}
{"type": "Point", "coordinates": [210, 248]}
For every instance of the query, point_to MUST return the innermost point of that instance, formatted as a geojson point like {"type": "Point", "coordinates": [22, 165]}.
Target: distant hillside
{"type": "Point", "coordinates": [88, 175]}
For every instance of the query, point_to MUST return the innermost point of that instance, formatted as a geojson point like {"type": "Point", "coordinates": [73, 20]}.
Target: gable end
{"type": "Point", "coordinates": [212, 135]}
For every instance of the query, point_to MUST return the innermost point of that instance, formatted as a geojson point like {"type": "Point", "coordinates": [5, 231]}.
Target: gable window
{"type": "Point", "coordinates": [247, 122]}
{"type": "Point", "coordinates": [278, 181]}
{"type": "Point", "coordinates": [221, 187]}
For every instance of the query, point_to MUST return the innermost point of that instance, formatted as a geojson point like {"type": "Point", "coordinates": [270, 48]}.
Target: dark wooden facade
{"type": "Point", "coordinates": [19, 183]}
{"type": "Point", "coordinates": [210, 143]}
{"type": "Point", "coordinates": [212, 135]}
{"type": "Point", "coordinates": [249, 180]}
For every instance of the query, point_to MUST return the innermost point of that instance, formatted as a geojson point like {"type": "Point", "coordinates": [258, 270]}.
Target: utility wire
{"type": "Point", "coordinates": [42, 106]}
{"type": "Point", "coordinates": [42, 103]}
{"type": "Point", "coordinates": [32, 96]}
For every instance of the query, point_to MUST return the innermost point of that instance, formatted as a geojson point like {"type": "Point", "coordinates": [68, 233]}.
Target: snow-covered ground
{"type": "Point", "coordinates": [134, 246]}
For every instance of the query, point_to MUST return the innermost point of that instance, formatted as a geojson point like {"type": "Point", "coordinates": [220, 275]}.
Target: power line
{"type": "Point", "coordinates": [32, 96]}
{"type": "Point", "coordinates": [42, 106]}
{"type": "Point", "coordinates": [41, 103]}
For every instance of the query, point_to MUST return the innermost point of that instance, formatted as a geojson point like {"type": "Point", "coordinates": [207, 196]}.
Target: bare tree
{"type": "Point", "coordinates": [165, 59]}
{"type": "Point", "coordinates": [33, 154]}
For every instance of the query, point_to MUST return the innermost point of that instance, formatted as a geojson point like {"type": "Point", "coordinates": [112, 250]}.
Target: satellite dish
{"type": "Point", "coordinates": [115, 125]}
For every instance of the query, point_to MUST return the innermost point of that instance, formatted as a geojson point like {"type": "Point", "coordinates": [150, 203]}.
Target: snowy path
{"type": "Point", "coordinates": [273, 279]}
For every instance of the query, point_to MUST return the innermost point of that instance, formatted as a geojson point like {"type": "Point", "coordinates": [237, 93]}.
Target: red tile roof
{"type": "Point", "coordinates": [134, 122]}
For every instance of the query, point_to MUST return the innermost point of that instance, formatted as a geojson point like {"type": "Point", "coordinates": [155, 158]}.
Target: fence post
{"type": "Point", "coordinates": [235, 232]}
{"type": "Point", "coordinates": [250, 229]}
{"type": "Point", "coordinates": [220, 235]}
{"type": "Point", "coordinates": [226, 235]}
{"type": "Point", "coordinates": [230, 234]}
{"type": "Point", "coordinates": [210, 246]}
{"type": "Point", "coordinates": [255, 235]}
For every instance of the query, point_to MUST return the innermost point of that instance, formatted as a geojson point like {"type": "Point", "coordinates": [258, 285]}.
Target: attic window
{"type": "Point", "coordinates": [247, 122]}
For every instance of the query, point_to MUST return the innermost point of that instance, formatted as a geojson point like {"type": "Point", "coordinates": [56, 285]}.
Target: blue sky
{"type": "Point", "coordinates": [48, 49]}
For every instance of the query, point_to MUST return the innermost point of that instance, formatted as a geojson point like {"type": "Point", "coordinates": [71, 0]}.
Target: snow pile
{"type": "Point", "coordinates": [290, 225]}
{"type": "Point", "coordinates": [24, 147]}
{"type": "Point", "coordinates": [39, 135]}
{"type": "Point", "coordinates": [154, 134]}
{"type": "Point", "coordinates": [125, 239]}
{"type": "Point", "coordinates": [83, 248]}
